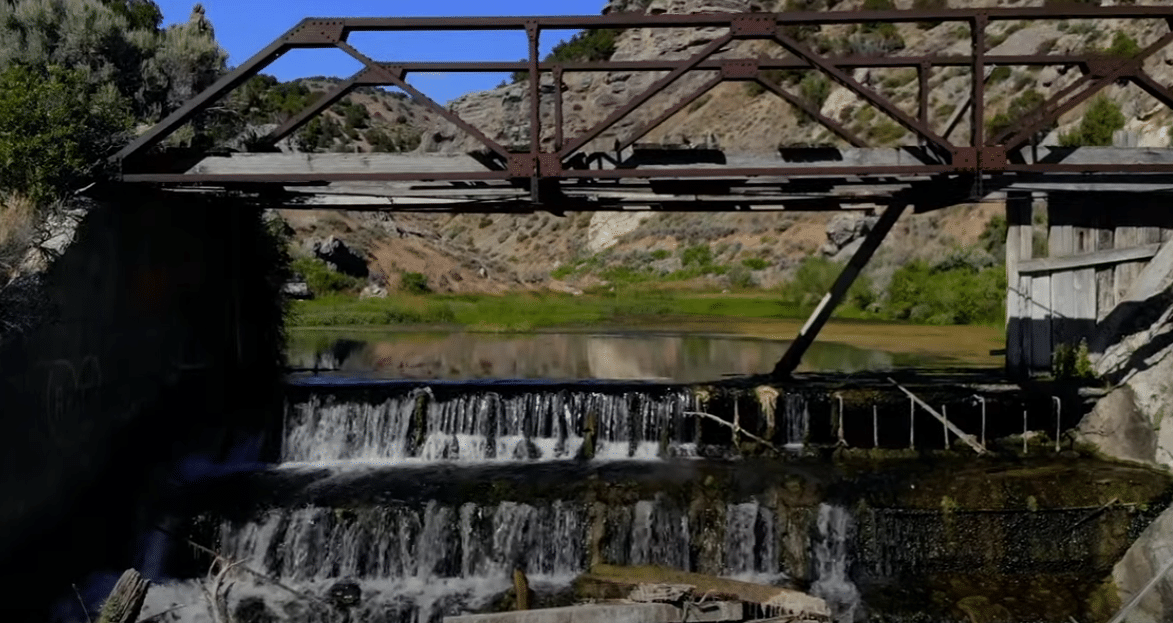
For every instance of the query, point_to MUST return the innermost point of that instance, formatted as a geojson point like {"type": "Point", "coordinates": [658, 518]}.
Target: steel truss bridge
{"type": "Point", "coordinates": [579, 173]}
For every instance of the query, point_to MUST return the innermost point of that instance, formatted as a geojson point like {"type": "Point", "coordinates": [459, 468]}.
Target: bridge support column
{"type": "Point", "coordinates": [831, 300]}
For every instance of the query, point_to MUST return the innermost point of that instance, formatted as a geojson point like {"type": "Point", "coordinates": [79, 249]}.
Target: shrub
{"type": "Point", "coordinates": [414, 283]}
{"type": "Point", "coordinates": [1102, 119]}
{"type": "Point", "coordinates": [947, 294]}
{"type": "Point", "coordinates": [321, 279]}
{"type": "Point", "coordinates": [1123, 46]}
{"type": "Point", "coordinates": [660, 254]}
{"type": "Point", "coordinates": [741, 277]}
{"type": "Point", "coordinates": [55, 128]}
{"type": "Point", "coordinates": [700, 255]}
{"type": "Point", "coordinates": [755, 263]}
{"type": "Point", "coordinates": [814, 278]}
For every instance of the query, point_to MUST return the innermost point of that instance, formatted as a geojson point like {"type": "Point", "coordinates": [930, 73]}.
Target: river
{"type": "Point", "coordinates": [685, 350]}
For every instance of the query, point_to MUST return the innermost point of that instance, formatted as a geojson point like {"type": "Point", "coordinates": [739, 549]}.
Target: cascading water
{"type": "Point", "coordinates": [831, 560]}
{"type": "Point", "coordinates": [417, 561]}
{"type": "Point", "coordinates": [488, 426]}
{"type": "Point", "coordinates": [751, 548]}
{"type": "Point", "coordinates": [795, 420]}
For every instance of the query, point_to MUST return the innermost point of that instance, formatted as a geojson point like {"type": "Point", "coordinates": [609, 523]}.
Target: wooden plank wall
{"type": "Point", "coordinates": [1062, 306]}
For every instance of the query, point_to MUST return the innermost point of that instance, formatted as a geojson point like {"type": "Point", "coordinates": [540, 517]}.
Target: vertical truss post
{"type": "Point", "coordinates": [534, 33]}
{"type": "Point", "coordinates": [822, 313]}
{"type": "Point", "coordinates": [922, 78]}
{"type": "Point", "coordinates": [559, 122]}
{"type": "Point", "coordinates": [977, 131]}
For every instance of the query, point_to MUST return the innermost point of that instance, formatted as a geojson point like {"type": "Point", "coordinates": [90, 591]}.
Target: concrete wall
{"type": "Point", "coordinates": [163, 321]}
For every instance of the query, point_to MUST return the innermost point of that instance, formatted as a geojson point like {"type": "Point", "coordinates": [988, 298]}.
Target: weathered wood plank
{"type": "Point", "coordinates": [1088, 260]}
{"type": "Point", "coordinates": [1018, 249]}
{"type": "Point", "coordinates": [1126, 237]}
{"type": "Point", "coordinates": [1061, 244]}
{"type": "Point", "coordinates": [1041, 316]}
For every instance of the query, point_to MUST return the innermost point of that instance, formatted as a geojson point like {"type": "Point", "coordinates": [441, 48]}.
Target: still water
{"type": "Point", "coordinates": [692, 354]}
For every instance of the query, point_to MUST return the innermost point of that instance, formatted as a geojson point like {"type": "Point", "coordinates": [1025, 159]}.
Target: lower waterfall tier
{"type": "Point", "coordinates": [421, 543]}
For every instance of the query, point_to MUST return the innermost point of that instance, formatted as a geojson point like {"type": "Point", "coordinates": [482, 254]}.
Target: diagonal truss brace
{"type": "Point", "coordinates": [397, 80]}
{"type": "Point", "coordinates": [879, 101]}
{"type": "Point", "coordinates": [1052, 109]}
{"type": "Point", "coordinates": [651, 91]}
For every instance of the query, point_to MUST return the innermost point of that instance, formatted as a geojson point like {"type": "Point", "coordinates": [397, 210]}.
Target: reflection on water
{"type": "Point", "coordinates": [678, 357]}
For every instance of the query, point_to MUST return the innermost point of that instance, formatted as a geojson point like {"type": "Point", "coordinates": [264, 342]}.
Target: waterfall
{"type": "Point", "coordinates": [831, 561]}
{"type": "Point", "coordinates": [751, 547]}
{"type": "Point", "coordinates": [796, 420]}
{"type": "Point", "coordinates": [489, 426]}
{"type": "Point", "coordinates": [327, 431]}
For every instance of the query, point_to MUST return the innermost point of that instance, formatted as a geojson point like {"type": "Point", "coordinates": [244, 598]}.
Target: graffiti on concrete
{"type": "Point", "coordinates": [70, 386]}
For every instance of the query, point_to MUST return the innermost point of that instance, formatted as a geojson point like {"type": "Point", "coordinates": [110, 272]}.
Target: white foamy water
{"type": "Point", "coordinates": [486, 426]}
{"type": "Point", "coordinates": [831, 556]}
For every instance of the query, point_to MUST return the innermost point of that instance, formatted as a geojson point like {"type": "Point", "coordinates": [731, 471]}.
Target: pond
{"type": "Point", "coordinates": [686, 351]}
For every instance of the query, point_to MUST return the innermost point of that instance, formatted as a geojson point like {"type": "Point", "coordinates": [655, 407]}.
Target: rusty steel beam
{"type": "Point", "coordinates": [838, 128]}
{"type": "Point", "coordinates": [1158, 91]}
{"type": "Point", "coordinates": [559, 116]}
{"type": "Point", "coordinates": [978, 97]}
{"type": "Point", "coordinates": [879, 101]}
{"type": "Point", "coordinates": [650, 92]}
{"type": "Point", "coordinates": [845, 62]}
{"type": "Point", "coordinates": [301, 118]}
{"type": "Point", "coordinates": [1111, 72]}
{"type": "Point", "coordinates": [397, 80]}
{"type": "Point", "coordinates": [715, 20]}
{"type": "Point", "coordinates": [185, 113]}
{"type": "Point", "coordinates": [667, 114]}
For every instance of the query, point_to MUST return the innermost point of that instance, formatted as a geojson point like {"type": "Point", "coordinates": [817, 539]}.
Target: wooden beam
{"type": "Point", "coordinates": [822, 313]}
{"type": "Point", "coordinates": [1099, 258]}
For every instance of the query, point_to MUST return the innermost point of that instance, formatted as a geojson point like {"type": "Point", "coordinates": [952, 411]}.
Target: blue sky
{"type": "Point", "coordinates": [243, 27]}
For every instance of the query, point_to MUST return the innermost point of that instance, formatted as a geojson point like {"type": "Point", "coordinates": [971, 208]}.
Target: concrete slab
{"type": "Point", "coordinates": [713, 612]}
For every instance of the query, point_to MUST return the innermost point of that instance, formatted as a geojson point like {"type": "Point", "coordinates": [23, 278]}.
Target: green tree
{"type": "Point", "coordinates": [115, 42]}
{"type": "Point", "coordinates": [55, 127]}
{"type": "Point", "coordinates": [1101, 120]}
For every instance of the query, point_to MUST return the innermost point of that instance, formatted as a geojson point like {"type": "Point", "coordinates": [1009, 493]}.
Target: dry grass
{"type": "Point", "coordinates": [17, 226]}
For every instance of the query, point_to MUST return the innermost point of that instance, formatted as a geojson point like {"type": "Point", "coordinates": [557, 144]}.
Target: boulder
{"type": "Point", "coordinates": [345, 594]}
{"type": "Point", "coordinates": [339, 256]}
{"type": "Point", "coordinates": [373, 292]}
{"type": "Point", "coordinates": [297, 290]}
{"type": "Point", "coordinates": [844, 229]}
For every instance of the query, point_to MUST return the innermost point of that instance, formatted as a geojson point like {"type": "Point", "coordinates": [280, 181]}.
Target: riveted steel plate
{"type": "Point", "coordinates": [754, 26]}
{"type": "Point", "coordinates": [739, 70]}
{"type": "Point", "coordinates": [319, 31]}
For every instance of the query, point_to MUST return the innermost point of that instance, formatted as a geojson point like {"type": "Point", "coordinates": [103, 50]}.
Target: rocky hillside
{"type": "Point", "coordinates": [576, 251]}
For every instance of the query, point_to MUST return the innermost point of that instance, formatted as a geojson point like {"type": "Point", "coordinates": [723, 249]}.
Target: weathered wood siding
{"type": "Point", "coordinates": [1097, 246]}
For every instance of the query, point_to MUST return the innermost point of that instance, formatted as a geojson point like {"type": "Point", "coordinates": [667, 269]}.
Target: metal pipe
{"type": "Point", "coordinates": [944, 426]}
{"type": "Point", "coordinates": [1058, 421]}
{"type": "Point", "coordinates": [842, 441]}
{"type": "Point", "coordinates": [982, 400]}
{"type": "Point", "coordinates": [875, 427]}
{"type": "Point", "coordinates": [1024, 431]}
{"type": "Point", "coordinates": [911, 423]}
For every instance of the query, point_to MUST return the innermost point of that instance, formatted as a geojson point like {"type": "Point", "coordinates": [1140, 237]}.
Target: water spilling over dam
{"type": "Point", "coordinates": [426, 498]}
